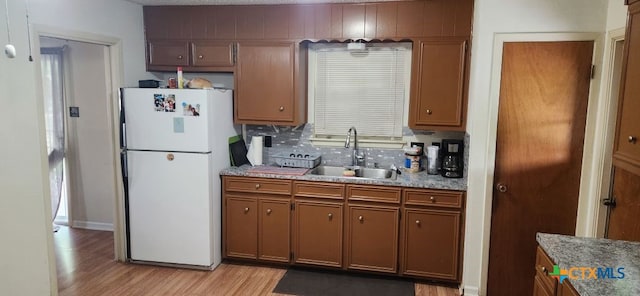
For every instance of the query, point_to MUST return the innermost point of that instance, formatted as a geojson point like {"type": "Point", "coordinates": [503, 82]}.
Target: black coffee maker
{"type": "Point", "coordinates": [452, 158]}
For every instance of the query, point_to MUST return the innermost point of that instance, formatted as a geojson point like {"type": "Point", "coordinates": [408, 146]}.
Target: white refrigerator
{"type": "Point", "coordinates": [174, 144]}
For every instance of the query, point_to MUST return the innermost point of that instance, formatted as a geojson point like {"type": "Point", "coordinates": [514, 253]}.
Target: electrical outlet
{"type": "Point", "coordinates": [267, 141]}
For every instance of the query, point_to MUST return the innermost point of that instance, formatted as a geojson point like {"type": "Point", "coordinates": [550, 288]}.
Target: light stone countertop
{"type": "Point", "coordinates": [570, 251]}
{"type": "Point", "coordinates": [415, 180]}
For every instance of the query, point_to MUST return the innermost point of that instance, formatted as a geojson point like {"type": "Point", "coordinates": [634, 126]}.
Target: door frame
{"type": "Point", "coordinates": [603, 171]}
{"type": "Point", "coordinates": [114, 47]}
{"type": "Point", "coordinates": [588, 197]}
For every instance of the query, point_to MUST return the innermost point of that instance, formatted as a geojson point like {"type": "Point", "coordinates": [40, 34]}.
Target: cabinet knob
{"type": "Point", "coordinates": [268, 211]}
{"type": "Point", "coordinates": [246, 210]}
{"type": "Point", "coordinates": [361, 218]}
{"type": "Point", "coordinates": [281, 108]}
{"type": "Point", "coordinates": [632, 139]}
{"type": "Point", "coordinates": [429, 111]}
{"type": "Point", "coordinates": [544, 270]}
{"type": "Point", "coordinates": [418, 222]}
{"type": "Point", "coordinates": [257, 186]}
{"type": "Point", "coordinates": [200, 57]}
{"type": "Point", "coordinates": [502, 187]}
{"type": "Point", "coordinates": [432, 198]}
{"type": "Point", "coordinates": [330, 216]}
{"type": "Point", "coordinates": [180, 57]}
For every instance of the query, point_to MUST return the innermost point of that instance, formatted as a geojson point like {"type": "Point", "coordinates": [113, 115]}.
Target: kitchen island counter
{"type": "Point", "coordinates": [570, 251]}
{"type": "Point", "coordinates": [406, 179]}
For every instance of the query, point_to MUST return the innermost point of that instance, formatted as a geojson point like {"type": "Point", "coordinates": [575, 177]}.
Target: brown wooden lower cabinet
{"type": "Point", "coordinates": [539, 288]}
{"type": "Point", "coordinates": [431, 240]}
{"type": "Point", "coordinates": [257, 219]}
{"type": "Point", "coordinates": [372, 238]}
{"type": "Point", "coordinates": [544, 284]}
{"type": "Point", "coordinates": [566, 289]}
{"type": "Point", "coordinates": [241, 227]}
{"type": "Point", "coordinates": [318, 233]}
{"type": "Point", "coordinates": [274, 230]}
{"type": "Point", "coordinates": [385, 229]}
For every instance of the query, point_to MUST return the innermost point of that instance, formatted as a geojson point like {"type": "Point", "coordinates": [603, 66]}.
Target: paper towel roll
{"type": "Point", "coordinates": [255, 150]}
{"type": "Point", "coordinates": [432, 160]}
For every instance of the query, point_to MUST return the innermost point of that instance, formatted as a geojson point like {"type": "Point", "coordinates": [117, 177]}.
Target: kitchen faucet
{"type": "Point", "coordinates": [357, 157]}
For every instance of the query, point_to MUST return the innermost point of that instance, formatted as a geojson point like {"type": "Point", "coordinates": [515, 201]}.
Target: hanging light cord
{"type": "Point", "coordinates": [6, 5]}
{"type": "Point", "coordinates": [26, 4]}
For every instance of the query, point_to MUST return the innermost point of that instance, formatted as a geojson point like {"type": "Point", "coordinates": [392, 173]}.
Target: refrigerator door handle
{"type": "Point", "coordinates": [125, 185]}
{"type": "Point", "coordinates": [124, 165]}
{"type": "Point", "coordinates": [123, 124]}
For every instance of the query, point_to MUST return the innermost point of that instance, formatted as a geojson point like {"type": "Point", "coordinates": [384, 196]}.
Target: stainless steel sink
{"type": "Point", "coordinates": [360, 172]}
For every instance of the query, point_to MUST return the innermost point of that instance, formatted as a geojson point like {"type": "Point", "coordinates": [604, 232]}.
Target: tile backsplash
{"type": "Point", "coordinates": [297, 140]}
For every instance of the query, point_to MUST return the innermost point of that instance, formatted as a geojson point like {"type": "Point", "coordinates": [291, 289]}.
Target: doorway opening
{"type": "Point", "coordinates": [603, 217]}
{"type": "Point", "coordinates": [98, 98]}
{"type": "Point", "coordinates": [54, 92]}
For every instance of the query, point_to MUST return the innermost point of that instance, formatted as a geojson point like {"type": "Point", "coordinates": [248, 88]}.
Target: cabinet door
{"type": "Point", "coordinates": [250, 22]}
{"type": "Point", "coordinates": [167, 22]}
{"type": "Point", "coordinates": [627, 147]}
{"type": "Point", "coordinates": [318, 233]}
{"type": "Point", "coordinates": [539, 288]}
{"type": "Point", "coordinates": [274, 234]}
{"type": "Point", "coordinates": [566, 289]}
{"type": "Point", "coordinates": [241, 227]}
{"type": "Point", "coordinates": [168, 53]}
{"type": "Point", "coordinates": [265, 83]}
{"type": "Point", "coordinates": [372, 238]}
{"type": "Point", "coordinates": [431, 241]}
{"type": "Point", "coordinates": [437, 86]}
{"type": "Point", "coordinates": [212, 53]}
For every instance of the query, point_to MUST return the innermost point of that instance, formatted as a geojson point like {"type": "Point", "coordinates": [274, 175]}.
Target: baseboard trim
{"type": "Point", "coordinates": [93, 225]}
{"type": "Point", "coordinates": [470, 291]}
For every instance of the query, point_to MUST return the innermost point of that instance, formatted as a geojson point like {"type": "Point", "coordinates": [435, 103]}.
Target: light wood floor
{"type": "Point", "coordinates": [86, 267]}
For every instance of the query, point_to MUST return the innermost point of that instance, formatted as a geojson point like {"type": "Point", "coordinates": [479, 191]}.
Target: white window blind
{"type": "Point", "coordinates": [366, 89]}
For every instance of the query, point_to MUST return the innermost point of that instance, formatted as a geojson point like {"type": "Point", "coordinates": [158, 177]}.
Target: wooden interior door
{"type": "Point", "coordinates": [541, 121]}
{"type": "Point", "coordinates": [623, 217]}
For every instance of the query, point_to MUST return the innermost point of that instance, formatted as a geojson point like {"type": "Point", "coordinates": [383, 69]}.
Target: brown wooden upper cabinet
{"type": "Point", "coordinates": [186, 38]}
{"type": "Point", "coordinates": [627, 147]}
{"type": "Point", "coordinates": [266, 89]}
{"type": "Point", "coordinates": [438, 88]}
{"type": "Point", "coordinates": [164, 55]}
{"type": "Point", "coordinates": [260, 43]}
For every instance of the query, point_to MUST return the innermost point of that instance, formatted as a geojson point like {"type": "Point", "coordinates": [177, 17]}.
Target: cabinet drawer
{"type": "Point", "coordinates": [446, 199]}
{"type": "Point", "coordinates": [257, 185]}
{"type": "Point", "coordinates": [374, 193]}
{"type": "Point", "coordinates": [544, 265]}
{"type": "Point", "coordinates": [318, 190]}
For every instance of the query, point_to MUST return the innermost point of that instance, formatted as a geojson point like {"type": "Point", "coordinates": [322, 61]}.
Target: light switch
{"type": "Point", "coordinates": [74, 111]}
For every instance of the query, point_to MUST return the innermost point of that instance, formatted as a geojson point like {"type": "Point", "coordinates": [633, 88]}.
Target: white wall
{"type": "Point", "coordinates": [491, 17]}
{"type": "Point", "coordinates": [90, 151]}
{"type": "Point", "coordinates": [118, 19]}
{"type": "Point", "coordinates": [616, 15]}
{"type": "Point", "coordinates": [27, 266]}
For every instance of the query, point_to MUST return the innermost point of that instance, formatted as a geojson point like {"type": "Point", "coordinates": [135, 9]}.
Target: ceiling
{"type": "Point", "coordinates": [241, 2]}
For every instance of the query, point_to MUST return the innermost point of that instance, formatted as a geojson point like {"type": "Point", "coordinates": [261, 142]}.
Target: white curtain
{"type": "Point", "coordinates": [54, 119]}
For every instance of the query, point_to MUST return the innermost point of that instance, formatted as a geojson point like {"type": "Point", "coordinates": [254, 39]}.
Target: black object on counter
{"type": "Point", "coordinates": [452, 158]}
{"type": "Point", "coordinates": [149, 83]}
{"type": "Point", "coordinates": [237, 151]}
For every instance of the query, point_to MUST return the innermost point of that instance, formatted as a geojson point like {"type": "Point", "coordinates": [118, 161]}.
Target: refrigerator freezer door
{"type": "Point", "coordinates": [167, 119]}
{"type": "Point", "coordinates": [170, 204]}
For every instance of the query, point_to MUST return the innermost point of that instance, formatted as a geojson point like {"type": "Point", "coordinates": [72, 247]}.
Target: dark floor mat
{"type": "Point", "coordinates": [319, 283]}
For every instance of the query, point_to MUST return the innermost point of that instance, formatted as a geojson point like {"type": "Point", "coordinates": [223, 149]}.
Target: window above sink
{"type": "Point", "coordinates": [368, 89]}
